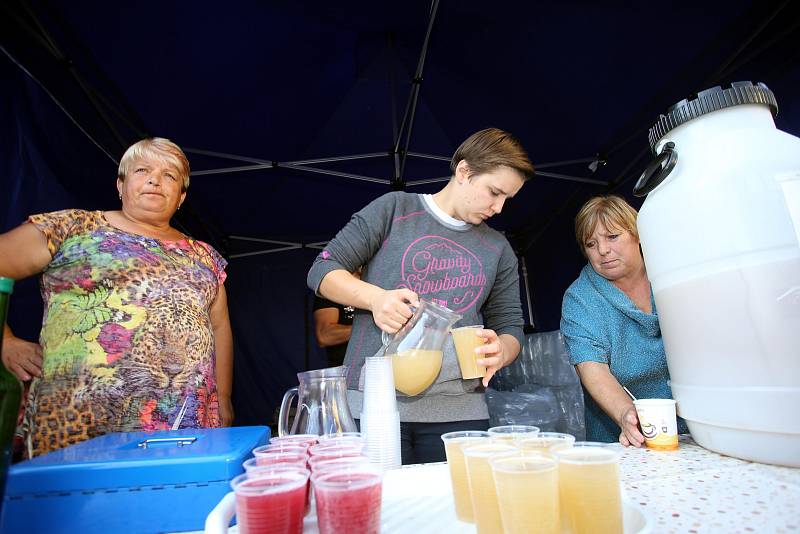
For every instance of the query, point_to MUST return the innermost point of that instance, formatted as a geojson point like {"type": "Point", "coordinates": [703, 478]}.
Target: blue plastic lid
{"type": "Point", "coordinates": [6, 285]}
{"type": "Point", "coordinates": [120, 461]}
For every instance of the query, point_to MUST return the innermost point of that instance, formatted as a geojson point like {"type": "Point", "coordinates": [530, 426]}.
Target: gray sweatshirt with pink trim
{"type": "Point", "coordinates": [470, 269]}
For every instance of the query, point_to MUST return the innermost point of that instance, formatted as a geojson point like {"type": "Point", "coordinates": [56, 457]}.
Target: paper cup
{"type": "Point", "coordinates": [659, 423]}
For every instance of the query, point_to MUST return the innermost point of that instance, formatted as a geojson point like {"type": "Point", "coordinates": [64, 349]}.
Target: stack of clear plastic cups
{"type": "Point", "coordinates": [380, 420]}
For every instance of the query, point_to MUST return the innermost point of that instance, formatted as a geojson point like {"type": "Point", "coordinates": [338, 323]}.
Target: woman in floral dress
{"type": "Point", "coordinates": [135, 334]}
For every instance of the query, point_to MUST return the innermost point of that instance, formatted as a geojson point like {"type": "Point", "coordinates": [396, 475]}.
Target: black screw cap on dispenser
{"type": "Point", "coordinates": [712, 99]}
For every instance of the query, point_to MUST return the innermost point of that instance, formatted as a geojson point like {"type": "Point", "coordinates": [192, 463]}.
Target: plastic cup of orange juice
{"type": "Point", "coordinates": [466, 340]}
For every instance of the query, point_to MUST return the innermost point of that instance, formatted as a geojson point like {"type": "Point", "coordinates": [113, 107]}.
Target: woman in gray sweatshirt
{"type": "Point", "coordinates": [434, 247]}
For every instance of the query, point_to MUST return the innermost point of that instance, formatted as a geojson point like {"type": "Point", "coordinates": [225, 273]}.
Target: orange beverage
{"type": "Point", "coordinates": [527, 493]}
{"type": "Point", "coordinates": [512, 434]}
{"type": "Point", "coordinates": [466, 341]}
{"type": "Point", "coordinates": [546, 442]}
{"type": "Point", "coordinates": [589, 488]}
{"type": "Point", "coordinates": [482, 490]}
{"type": "Point", "coordinates": [453, 442]}
{"type": "Point", "coordinates": [415, 370]}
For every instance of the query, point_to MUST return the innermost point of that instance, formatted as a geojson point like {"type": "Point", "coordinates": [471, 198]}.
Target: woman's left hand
{"type": "Point", "coordinates": [225, 411]}
{"type": "Point", "coordinates": [493, 351]}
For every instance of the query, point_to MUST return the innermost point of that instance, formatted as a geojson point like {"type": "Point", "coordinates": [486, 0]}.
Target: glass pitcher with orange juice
{"type": "Point", "coordinates": [416, 349]}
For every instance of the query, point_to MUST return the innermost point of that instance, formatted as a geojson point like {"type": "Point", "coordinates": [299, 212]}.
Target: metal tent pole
{"type": "Point", "coordinates": [525, 282]}
{"type": "Point", "coordinates": [411, 107]}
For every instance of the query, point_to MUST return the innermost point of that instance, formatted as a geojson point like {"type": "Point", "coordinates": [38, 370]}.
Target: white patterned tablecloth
{"type": "Point", "coordinates": [694, 490]}
{"type": "Point", "coordinates": [691, 490]}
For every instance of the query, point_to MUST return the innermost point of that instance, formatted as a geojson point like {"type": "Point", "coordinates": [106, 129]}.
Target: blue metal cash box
{"type": "Point", "coordinates": [128, 482]}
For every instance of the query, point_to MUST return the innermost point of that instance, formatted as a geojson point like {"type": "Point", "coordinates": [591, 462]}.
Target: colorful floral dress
{"type": "Point", "coordinates": [126, 334]}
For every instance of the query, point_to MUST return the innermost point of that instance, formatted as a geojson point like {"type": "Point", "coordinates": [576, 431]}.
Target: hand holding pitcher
{"type": "Point", "coordinates": [392, 309]}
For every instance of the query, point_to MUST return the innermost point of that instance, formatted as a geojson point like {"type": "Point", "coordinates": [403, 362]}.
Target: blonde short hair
{"type": "Point", "coordinates": [157, 148]}
{"type": "Point", "coordinates": [611, 210]}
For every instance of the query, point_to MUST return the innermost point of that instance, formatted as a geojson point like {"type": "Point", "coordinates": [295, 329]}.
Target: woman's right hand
{"type": "Point", "coordinates": [22, 358]}
{"type": "Point", "coordinates": [392, 308]}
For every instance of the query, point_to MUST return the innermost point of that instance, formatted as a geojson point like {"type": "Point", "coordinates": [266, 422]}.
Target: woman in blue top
{"type": "Point", "coordinates": [610, 324]}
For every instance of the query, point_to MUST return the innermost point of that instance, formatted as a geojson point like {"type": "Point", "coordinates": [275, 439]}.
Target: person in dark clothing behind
{"type": "Point", "coordinates": [333, 324]}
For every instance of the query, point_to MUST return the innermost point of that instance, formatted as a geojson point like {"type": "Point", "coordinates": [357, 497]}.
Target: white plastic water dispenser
{"type": "Point", "coordinates": [720, 233]}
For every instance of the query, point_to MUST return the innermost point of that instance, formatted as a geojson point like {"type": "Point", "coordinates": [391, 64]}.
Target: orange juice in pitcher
{"type": "Point", "coordinates": [415, 370]}
{"type": "Point", "coordinates": [416, 349]}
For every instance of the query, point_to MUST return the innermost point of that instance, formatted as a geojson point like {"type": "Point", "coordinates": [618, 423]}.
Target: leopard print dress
{"type": "Point", "coordinates": [126, 333]}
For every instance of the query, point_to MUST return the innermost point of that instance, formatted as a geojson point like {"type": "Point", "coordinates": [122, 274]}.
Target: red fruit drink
{"type": "Point", "coordinates": [305, 440]}
{"type": "Point", "coordinates": [349, 501]}
{"type": "Point", "coordinates": [256, 469]}
{"type": "Point", "coordinates": [277, 457]}
{"type": "Point", "coordinates": [270, 502]}
{"type": "Point", "coordinates": [336, 448]}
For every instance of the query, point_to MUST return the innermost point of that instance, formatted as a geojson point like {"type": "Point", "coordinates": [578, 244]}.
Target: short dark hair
{"type": "Point", "coordinates": [488, 149]}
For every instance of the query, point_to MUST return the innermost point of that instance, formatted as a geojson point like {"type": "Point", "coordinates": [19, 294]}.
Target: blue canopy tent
{"type": "Point", "coordinates": [296, 114]}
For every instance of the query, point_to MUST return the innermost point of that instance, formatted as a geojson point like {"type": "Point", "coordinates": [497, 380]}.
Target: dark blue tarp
{"type": "Point", "coordinates": [287, 81]}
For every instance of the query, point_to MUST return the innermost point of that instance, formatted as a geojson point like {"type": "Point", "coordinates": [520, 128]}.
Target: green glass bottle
{"type": "Point", "coordinates": [10, 394]}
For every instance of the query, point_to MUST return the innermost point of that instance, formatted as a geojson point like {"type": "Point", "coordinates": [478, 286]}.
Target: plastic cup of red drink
{"type": "Point", "coordinates": [255, 470]}
{"type": "Point", "coordinates": [338, 436]}
{"type": "Point", "coordinates": [335, 448]}
{"type": "Point", "coordinates": [297, 439]}
{"type": "Point", "coordinates": [264, 457]}
{"type": "Point", "coordinates": [271, 501]}
{"type": "Point", "coordinates": [321, 464]}
{"type": "Point", "coordinates": [349, 500]}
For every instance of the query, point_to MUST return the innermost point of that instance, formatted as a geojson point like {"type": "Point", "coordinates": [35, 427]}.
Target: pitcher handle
{"type": "Point", "coordinates": [283, 416]}
{"type": "Point", "coordinates": [387, 338]}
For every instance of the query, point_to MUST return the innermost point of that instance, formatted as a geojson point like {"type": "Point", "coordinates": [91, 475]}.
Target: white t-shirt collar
{"type": "Point", "coordinates": [439, 212]}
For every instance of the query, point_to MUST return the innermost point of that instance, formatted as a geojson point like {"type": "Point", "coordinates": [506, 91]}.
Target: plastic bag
{"type": "Point", "coordinates": [543, 371]}
{"type": "Point", "coordinates": [519, 408]}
